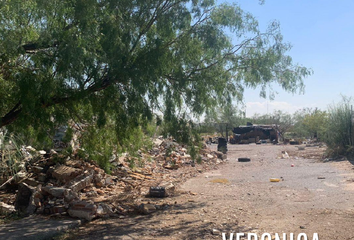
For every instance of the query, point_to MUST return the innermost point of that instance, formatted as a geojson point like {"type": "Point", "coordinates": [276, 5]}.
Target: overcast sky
{"type": "Point", "coordinates": [322, 35]}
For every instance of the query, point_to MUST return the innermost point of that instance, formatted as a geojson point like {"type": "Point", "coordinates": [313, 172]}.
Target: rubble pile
{"type": "Point", "coordinates": [50, 183]}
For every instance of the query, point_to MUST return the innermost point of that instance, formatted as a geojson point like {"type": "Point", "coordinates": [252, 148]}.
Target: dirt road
{"type": "Point", "coordinates": [314, 197]}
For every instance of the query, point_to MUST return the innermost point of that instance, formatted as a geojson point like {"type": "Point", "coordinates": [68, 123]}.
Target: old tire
{"type": "Point", "coordinates": [244, 159]}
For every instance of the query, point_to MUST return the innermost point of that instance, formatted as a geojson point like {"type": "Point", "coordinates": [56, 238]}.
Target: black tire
{"type": "Point", "coordinates": [244, 159]}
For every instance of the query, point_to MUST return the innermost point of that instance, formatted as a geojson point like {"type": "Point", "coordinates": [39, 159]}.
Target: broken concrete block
{"type": "Point", "coordinates": [59, 209]}
{"type": "Point", "coordinates": [81, 183]}
{"type": "Point", "coordinates": [83, 210]}
{"type": "Point", "coordinates": [6, 208]}
{"type": "Point", "coordinates": [65, 174]}
{"type": "Point", "coordinates": [57, 192]}
{"type": "Point", "coordinates": [70, 196]}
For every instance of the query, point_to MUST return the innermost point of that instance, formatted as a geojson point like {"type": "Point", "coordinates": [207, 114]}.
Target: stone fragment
{"type": "Point", "coordinates": [81, 183]}
{"type": "Point", "coordinates": [83, 210]}
{"type": "Point", "coordinates": [42, 152]}
{"type": "Point", "coordinates": [158, 142]}
{"type": "Point", "coordinates": [98, 180]}
{"type": "Point", "coordinates": [109, 181]}
{"type": "Point", "coordinates": [31, 182]}
{"type": "Point", "coordinates": [59, 209]}
{"type": "Point", "coordinates": [57, 192]}
{"type": "Point", "coordinates": [104, 210]}
{"type": "Point", "coordinates": [6, 208]}
{"type": "Point", "coordinates": [70, 196]}
{"type": "Point", "coordinates": [169, 188]}
{"type": "Point", "coordinates": [147, 208]}
{"type": "Point", "coordinates": [65, 174]}
{"type": "Point", "coordinates": [37, 169]}
{"type": "Point", "coordinates": [30, 148]}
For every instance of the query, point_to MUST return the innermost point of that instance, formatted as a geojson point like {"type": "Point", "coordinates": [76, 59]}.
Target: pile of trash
{"type": "Point", "coordinates": [50, 183]}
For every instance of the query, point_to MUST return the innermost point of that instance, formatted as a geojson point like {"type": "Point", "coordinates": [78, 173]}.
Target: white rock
{"type": "Point", "coordinates": [30, 148]}
{"type": "Point", "coordinates": [42, 152]}
{"type": "Point", "coordinates": [6, 208]}
{"type": "Point", "coordinates": [157, 142]}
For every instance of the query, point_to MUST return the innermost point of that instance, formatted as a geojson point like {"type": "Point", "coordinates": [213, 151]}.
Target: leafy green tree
{"type": "Point", "coordinates": [310, 123]}
{"type": "Point", "coordinates": [281, 120]}
{"type": "Point", "coordinates": [315, 123]}
{"type": "Point", "coordinates": [224, 119]}
{"type": "Point", "coordinates": [99, 61]}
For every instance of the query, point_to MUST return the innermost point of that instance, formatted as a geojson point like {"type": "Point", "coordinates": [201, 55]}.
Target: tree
{"type": "Point", "coordinates": [315, 123]}
{"type": "Point", "coordinates": [283, 121]}
{"type": "Point", "coordinates": [339, 128]}
{"type": "Point", "coordinates": [121, 61]}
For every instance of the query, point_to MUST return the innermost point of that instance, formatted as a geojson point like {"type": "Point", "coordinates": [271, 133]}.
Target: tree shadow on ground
{"type": "Point", "coordinates": [177, 222]}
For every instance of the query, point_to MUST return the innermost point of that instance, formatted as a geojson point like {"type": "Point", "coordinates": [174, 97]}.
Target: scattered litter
{"type": "Point", "coordinates": [275, 179]}
{"type": "Point", "coordinates": [220, 180]}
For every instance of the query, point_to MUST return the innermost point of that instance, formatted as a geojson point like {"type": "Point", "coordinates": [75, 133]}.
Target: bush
{"type": "Point", "coordinates": [339, 131]}
{"type": "Point", "coordinates": [11, 155]}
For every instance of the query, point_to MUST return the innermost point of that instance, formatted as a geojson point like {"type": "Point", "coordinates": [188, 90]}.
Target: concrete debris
{"type": "Point", "coordinates": [65, 174]}
{"type": "Point", "coordinates": [31, 149]}
{"type": "Point", "coordinates": [81, 182]}
{"type": "Point", "coordinates": [104, 210]}
{"type": "Point", "coordinates": [6, 208]}
{"type": "Point", "coordinates": [67, 185]}
{"type": "Point", "coordinates": [83, 210]}
{"type": "Point", "coordinates": [42, 152]}
{"type": "Point", "coordinates": [147, 208]}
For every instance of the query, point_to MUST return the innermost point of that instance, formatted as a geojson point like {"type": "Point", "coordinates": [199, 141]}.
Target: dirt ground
{"type": "Point", "coordinates": [312, 197]}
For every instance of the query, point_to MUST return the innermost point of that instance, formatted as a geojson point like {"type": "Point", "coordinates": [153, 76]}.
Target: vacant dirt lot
{"type": "Point", "coordinates": [312, 197]}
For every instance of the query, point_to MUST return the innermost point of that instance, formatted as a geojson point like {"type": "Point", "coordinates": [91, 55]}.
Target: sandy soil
{"type": "Point", "coordinates": [313, 197]}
